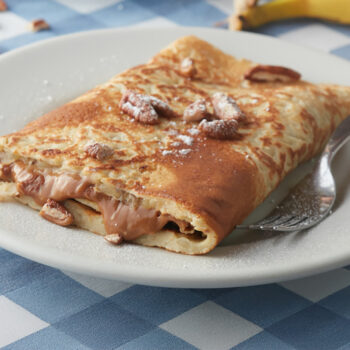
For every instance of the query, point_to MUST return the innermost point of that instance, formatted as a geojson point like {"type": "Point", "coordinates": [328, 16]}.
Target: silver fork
{"type": "Point", "coordinates": [312, 199]}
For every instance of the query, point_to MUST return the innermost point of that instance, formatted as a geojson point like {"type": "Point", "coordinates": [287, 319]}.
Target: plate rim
{"type": "Point", "coordinates": [102, 31]}
{"type": "Point", "coordinates": [160, 278]}
{"type": "Point", "coordinates": [149, 276]}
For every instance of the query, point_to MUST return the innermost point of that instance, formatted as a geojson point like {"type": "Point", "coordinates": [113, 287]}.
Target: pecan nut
{"type": "Point", "coordinates": [3, 6]}
{"type": "Point", "coordinates": [99, 151]}
{"type": "Point", "coordinates": [114, 238]}
{"type": "Point", "coordinates": [39, 24]}
{"type": "Point", "coordinates": [226, 108]}
{"type": "Point", "coordinates": [196, 111]}
{"type": "Point", "coordinates": [219, 129]}
{"type": "Point", "coordinates": [162, 107]}
{"type": "Point", "coordinates": [187, 68]}
{"type": "Point", "coordinates": [139, 107]}
{"type": "Point", "coordinates": [31, 184]}
{"type": "Point", "coordinates": [264, 73]}
{"type": "Point", "coordinates": [56, 213]}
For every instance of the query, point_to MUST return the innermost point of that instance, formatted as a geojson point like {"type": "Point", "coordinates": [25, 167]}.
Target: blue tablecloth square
{"type": "Point", "coordinates": [157, 305]}
{"type": "Point", "coordinates": [25, 39]}
{"type": "Point", "coordinates": [263, 340]}
{"type": "Point", "coordinates": [313, 328]}
{"type": "Point", "coordinates": [263, 305]}
{"type": "Point", "coordinates": [104, 326]}
{"type": "Point", "coordinates": [343, 51]}
{"type": "Point", "coordinates": [5, 255]}
{"type": "Point", "coordinates": [55, 297]}
{"type": "Point", "coordinates": [338, 302]}
{"type": "Point", "coordinates": [116, 16]}
{"type": "Point", "coordinates": [16, 272]}
{"type": "Point", "coordinates": [157, 339]}
{"type": "Point", "coordinates": [51, 11]}
{"type": "Point", "coordinates": [214, 293]}
{"type": "Point", "coordinates": [185, 12]}
{"type": "Point", "coordinates": [49, 339]}
{"type": "Point", "coordinates": [76, 23]}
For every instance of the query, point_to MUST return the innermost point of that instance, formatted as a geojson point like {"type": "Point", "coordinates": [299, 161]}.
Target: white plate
{"type": "Point", "coordinates": [40, 77]}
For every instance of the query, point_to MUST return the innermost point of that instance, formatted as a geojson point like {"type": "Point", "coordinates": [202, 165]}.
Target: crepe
{"type": "Point", "coordinates": [173, 153]}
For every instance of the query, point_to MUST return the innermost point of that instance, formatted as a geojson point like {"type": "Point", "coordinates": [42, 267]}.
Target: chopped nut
{"type": "Point", "coordinates": [145, 108]}
{"type": "Point", "coordinates": [99, 151]}
{"type": "Point", "coordinates": [263, 73]}
{"type": "Point", "coordinates": [31, 183]}
{"type": "Point", "coordinates": [3, 6]}
{"type": "Point", "coordinates": [219, 129]}
{"type": "Point", "coordinates": [139, 107]}
{"type": "Point", "coordinates": [193, 131]}
{"type": "Point", "coordinates": [196, 111]}
{"type": "Point", "coordinates": [6, 172]}
{"type": "Point", "coordinates": [226, 108]}
{"type": "Point", "coordinates": [114, 238]}
{"type": "Point", "coordinates": [188, 68]}
{"type": "Point", "coordinates": [56, 213]}
{"type": "Point", "coordinates": [162, 108]}
{"type": "Point", "coordinates": [38, 24]}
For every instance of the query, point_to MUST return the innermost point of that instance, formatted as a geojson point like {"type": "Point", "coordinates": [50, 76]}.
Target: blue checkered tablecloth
{"type": "Point", "coordinates": [44, 308]}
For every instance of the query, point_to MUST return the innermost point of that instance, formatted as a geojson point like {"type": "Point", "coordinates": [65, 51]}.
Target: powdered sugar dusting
{"type": "Point", "coordinates": [172, 132]}
{"type": "Point", "coordinates": [188, 140]}
{"type": "Point", "coordinates": [135, 110]}
{"type": "Point", "coordinates": [185, 151]}
{"type": "Point", "coordinates": [186, 63]}
{"type": "Point", "coordinates": [225, 107]}
{"type": "Point", "coordinates": [193, 131]}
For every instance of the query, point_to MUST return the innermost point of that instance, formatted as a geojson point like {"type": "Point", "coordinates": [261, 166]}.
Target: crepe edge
{"type": "Point", "coordinates": [87, 218]}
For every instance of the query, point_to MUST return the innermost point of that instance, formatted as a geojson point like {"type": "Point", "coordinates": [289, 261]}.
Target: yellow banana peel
{"type": "Point", "coordinates": [255, 16]}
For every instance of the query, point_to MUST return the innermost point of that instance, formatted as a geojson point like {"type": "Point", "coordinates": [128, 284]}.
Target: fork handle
{"type": "Point", "coordinates": [340, 136]}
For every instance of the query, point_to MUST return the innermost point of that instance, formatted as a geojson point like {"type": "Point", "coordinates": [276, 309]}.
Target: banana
{"type": "Point", "coordinates": [248, 15]}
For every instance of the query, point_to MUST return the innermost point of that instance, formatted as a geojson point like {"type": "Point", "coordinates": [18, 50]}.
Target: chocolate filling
{"type": "Point", "coordinates": [128, 221]}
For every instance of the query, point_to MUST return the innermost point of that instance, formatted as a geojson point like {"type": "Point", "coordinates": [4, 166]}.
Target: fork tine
{"type": "Point", "coordinates": [281, 221]}
{"type": "Point", "coordinates": [268, 220]}
{"type": "Point", "coordinates": [297, 221]}
{"type": "Point", "coordinates": [294, 225]}
{"type": "Point", "coordinates": [272, 224]}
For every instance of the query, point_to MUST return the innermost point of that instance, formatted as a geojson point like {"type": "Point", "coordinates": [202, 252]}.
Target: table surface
{"type": "Point", "coordinates": [45, 308]}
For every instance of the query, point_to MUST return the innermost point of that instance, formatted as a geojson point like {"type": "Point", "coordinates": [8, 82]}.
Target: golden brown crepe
{"type": "Point", "coordinates": [168, 182]}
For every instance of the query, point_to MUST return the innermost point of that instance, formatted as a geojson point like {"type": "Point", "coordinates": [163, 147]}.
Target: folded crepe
{"type": "Point", "coordinates": [173, 153]}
